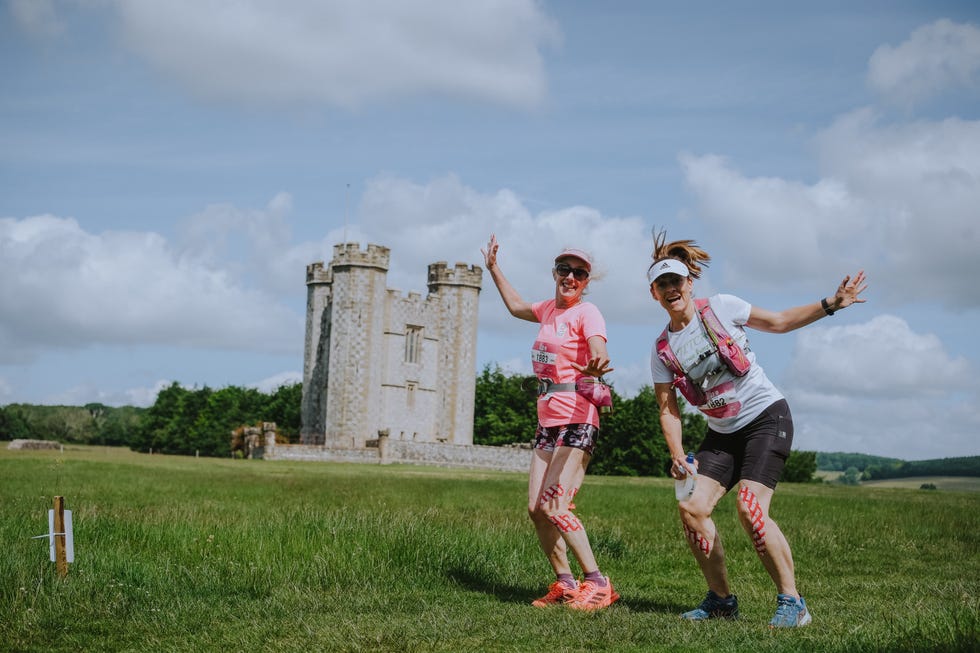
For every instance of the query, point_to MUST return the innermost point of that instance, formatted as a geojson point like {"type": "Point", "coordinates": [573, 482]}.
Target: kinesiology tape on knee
{"type": "Point", "coordinates": [566, 522]}
{"type": "Point", "coordinates": [702, 543]}
{"type": "Point", "coordinates": [552, 493]}
{"type": "Point", "coordinates": [757, 520]}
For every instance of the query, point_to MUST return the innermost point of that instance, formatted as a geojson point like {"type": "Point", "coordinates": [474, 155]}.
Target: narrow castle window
{"type": "Point", "coordinates": [413, 344]}
{"type": "Point", "coordinates": [410, 392]}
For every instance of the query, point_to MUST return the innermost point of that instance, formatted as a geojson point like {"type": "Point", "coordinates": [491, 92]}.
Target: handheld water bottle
{"type": "Point", "coordinates": [684, 487]}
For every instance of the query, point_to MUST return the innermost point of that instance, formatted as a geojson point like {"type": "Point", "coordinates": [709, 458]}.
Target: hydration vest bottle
{"type": "Point", "coordinates": [684, 487]}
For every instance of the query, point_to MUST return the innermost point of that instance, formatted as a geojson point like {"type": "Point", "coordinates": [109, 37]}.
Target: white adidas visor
{"type": "Point", "coordinates": [667, 266]}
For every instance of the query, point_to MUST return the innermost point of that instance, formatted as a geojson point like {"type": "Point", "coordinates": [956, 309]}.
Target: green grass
{"type": "Point", "coordinates": [185, 554]}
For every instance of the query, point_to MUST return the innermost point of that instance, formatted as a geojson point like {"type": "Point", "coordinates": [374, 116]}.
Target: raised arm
{"type": "Point", "coordinates": [512, 300]}
{"type": "Point", "coordinates": [848, 292]}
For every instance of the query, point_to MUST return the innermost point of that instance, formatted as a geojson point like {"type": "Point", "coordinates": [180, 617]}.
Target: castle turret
{"type": "Point", "coordinates": [315, 359]}
{"type": "Point", "coordinates": [356, 344]}
{"type": "Point", "coordinates": [456, 291]}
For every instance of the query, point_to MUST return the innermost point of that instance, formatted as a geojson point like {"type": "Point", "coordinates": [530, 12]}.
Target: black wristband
{"type": "Point", "coordinates": [826, 306]}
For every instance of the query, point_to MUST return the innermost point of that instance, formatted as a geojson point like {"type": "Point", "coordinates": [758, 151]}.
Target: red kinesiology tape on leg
{"type": "Point", "coordinates": [552, 493]}
{"type": "Point", "coordinates": [566, 522]}
{"type": "Point", "coordinates": [700, 541]}
{"type": "Point", "coordinates": [756, 519]}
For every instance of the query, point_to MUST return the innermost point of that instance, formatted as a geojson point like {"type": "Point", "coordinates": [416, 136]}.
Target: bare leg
{"type": "Point", "coordinates": [548, 536]}
{"type": "Point", "coordinates": [770, 544]}
{"type": "Point", "coordinates": [552, 517]}
{"type": "Point", "coordinates": [702, 536]}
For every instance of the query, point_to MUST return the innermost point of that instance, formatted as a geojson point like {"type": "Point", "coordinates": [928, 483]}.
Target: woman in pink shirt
{"type": "Point", "coordinates": [570, 348]}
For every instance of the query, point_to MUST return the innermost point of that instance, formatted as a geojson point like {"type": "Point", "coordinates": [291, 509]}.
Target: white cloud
{"type": "Point", "coordinates": [142, 397]}
{"type": "Point", "coordinates": [779, 230]}
{"type": "Point", "coordinates": [936, 57]}
{"type": "Point", "coordinates": [38, 18]}
{"type": "Point", "coordinates": [253, 245]}
{"type": "Point", "coordinates": [446, 220]}
{"type": "Point", "coordinates": [901, 428]}
{"type": "Point", "coordinates": [891, 197]}
{"type": "Point", "coordinates": [920, 184]}
{"type": "Point", "coordinates": [270, 384]}
{"type": "Point", "coordinates": [879, 387]}
{"type": "Point", "coordinates": [64, 287]}
{"type": "Point", "coordinates": [345, 52]}
{"type": "Point", "coordinates": [881, 358]}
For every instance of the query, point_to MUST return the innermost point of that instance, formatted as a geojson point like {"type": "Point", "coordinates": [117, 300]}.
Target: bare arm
{"type": "Point", "coordinates": [598, 358]}
{"type": "Point", "coordinates": [793, 318]}
{"type": "Point", "coordinates": [671, 425]}
{"type": "Point", "coordinates": [512, 300]}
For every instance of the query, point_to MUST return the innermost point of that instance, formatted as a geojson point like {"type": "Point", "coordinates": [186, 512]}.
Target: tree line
{"type": "Point", "coordinates": [201, 420]}
{"type": "Point", "coordinates": [631, 442]}
{"type": "Point", "coordinates": [196, 421]}
{"type": "Point", "coordinates": [863, 467]}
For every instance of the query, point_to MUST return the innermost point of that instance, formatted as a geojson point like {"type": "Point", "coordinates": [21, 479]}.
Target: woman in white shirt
{"type": "Point", "coordinates": [750, 426]}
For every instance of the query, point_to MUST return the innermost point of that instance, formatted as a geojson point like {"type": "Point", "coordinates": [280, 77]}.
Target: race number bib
{"type": "Point", "coordinates": [543, 360]}
{"type": "Point", "coordinates": [721, 401]}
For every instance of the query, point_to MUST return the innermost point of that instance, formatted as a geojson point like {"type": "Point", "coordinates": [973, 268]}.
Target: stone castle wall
{"type": "Point", "coordinates": [392, 452]}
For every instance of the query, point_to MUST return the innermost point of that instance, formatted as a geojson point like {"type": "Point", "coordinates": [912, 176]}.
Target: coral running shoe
{"type": "Point", "coordinates": [592, 597]}
{"type": "Point", "coordinates": [557, 593]}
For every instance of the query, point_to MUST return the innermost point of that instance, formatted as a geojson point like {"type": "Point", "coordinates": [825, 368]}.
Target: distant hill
{"type": "Point", "coordinates": [840, 461]}
{"type": "Point", "coordinates": [879, 467]}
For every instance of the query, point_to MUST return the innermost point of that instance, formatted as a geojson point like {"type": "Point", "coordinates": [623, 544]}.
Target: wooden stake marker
{"type": "Point", "coordinates": [61, 542]}
{"type": "Point", "coordinates": [60, 534]}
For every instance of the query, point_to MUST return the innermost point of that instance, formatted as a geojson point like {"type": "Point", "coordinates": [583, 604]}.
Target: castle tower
{"type": "Point", "coordinates": [376, 361]}
{"type": "Point", "coordinates": [342, 399]}
{"type": "Point", "coordinates": [455, 291]}
{"type": "Point", "coordinates": [315, 359]}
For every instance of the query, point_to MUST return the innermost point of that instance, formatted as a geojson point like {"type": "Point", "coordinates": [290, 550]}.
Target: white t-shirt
{"type": "Point", "coordinates": [732, 401]}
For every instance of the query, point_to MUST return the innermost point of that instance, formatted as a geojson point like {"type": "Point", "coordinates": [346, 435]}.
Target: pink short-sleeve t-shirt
{"type": "Point", "coordinates": [563, 339]}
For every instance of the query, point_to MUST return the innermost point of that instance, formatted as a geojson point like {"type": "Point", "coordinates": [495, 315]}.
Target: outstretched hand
{"type": "Point", "coordinates": [490, 253]}
{"type": "Point", "coordinates": [849, 290]}
{"type": "Point", "coordinates": [597, 367]}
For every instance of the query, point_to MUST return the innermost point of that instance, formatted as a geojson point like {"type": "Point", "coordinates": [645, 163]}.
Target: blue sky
{"type": "Point", "coordinates": [167, 171]}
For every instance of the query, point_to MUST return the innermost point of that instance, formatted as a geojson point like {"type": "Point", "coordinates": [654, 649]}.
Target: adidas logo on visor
{"type": "Point", "coordinates": [668, 266]}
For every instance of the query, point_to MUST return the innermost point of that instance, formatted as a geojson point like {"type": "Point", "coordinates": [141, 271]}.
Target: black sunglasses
{"type": "Point", "coordinates": [564, 269]}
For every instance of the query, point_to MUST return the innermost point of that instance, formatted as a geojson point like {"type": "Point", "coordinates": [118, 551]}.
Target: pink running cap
{"type": "Point", "coordinates": [577, 253]}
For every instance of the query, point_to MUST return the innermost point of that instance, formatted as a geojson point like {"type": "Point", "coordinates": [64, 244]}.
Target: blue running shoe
{"type": "Point", "coordinates": [790, 612]}
{"type": "Point", "coordinates": [714, 607]}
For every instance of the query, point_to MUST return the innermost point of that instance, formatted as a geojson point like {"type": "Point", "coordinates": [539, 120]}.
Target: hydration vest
{"type": "Point", "coordinates": [728, 351]}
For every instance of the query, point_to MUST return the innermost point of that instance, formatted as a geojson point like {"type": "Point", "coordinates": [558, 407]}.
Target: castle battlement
{"type": "Point", "coordinates": [317, 273]}
{"type": "Point", "coordinates": [440, 274]}
{"type": "Point", "coordinates": [375, 256]}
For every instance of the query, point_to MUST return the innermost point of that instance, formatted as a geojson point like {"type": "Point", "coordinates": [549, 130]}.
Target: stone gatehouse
{"type": "Point", "coordinates": [377, 361]}
{"type": "Point", "coordinates": [390, 378]}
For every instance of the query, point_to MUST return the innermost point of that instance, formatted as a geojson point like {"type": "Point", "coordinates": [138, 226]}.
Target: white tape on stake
{"type": "Point", "coordinates": [69, 537]}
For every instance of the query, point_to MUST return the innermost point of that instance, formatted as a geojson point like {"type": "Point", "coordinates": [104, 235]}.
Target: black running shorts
{"type": "Point", "coordinates": [755, 452]}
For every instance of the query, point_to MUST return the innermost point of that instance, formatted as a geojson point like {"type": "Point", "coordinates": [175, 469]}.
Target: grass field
{"type": "Point", "coordinates": [185, 554]}
{"type": "Point", "coordinates": [957, 483]}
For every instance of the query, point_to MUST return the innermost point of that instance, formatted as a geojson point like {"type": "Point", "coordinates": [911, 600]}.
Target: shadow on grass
{"type": "Point", "coordinates": [492, 586]}
{"type": "Point", "coordinates": [508, 593]}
